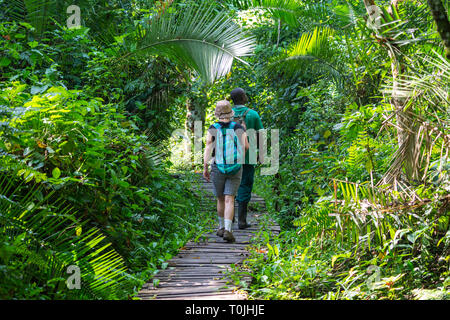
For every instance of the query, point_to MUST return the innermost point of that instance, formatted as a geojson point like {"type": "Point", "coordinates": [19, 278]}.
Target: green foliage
{"type": "Point", "coordinates": [39, 241]}
{"type": "Point", "coordinates": [58, 59]}
{"type": "Point", "coordinates": [85, 115]}
{"type": "Point", "coordinates": [313, 52]}
{"type": "Point", "coordinates": [94, 157]}
{"type": "Point", "coordinates": [196, 35]}
{"type": "Point", "coordinates": [336, 146]}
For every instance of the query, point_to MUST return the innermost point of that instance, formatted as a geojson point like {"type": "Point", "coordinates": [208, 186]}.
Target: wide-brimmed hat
{"type": "Point", "coordinates": [223, 110]}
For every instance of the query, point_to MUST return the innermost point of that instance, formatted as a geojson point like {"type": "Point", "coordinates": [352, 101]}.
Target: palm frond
{"type": "Point", "coordinates": [36, 12]}
{"type": "Point", "coordinates": [14, 10]}
{"type": "Point", "coordinates": [197, 36]}
{"type": "Point", "coordinates": [434, 83]}
{"type": "Point", "coordinates": [426, 92]}
{"type": "Point", "coordinates": [54, 235]}
{"type": "Point", "coordinates": [311, 52]}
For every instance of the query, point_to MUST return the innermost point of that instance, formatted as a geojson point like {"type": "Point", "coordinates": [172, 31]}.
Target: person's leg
{"type": "Point", "coordinates": [231, 188]}
{"type": "Point", "coordinates": [229, 207]}
{"type": "Point", "coordinates": [228, 214]}
{"type": "Point", "coordinates": [220, 214]}
{"type": "Point", "coordinates": [219, 184]}
{"type": "Point", "coordinates": [245, 194]}
{"type": "Point", "coordinates": [221, 206]}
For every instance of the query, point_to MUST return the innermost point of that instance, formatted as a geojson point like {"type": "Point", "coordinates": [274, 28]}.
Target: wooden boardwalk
{"type": "Point", "coordinates": [199, 270]}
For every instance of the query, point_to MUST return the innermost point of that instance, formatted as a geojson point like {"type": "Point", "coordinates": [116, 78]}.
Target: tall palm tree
{"type": "Point", "coordinates": [392, 34]}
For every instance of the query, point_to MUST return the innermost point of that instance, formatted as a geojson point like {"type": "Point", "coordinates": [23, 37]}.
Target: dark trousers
{"type": "Point", "coordinates": [245, 189]}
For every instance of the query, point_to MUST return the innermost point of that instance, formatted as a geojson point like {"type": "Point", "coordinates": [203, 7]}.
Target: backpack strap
{"type": "Point", "coordinates": [217, 126]}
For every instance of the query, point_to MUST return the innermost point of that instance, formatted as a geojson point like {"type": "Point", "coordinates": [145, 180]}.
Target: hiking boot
{"type": "Point", "coordinates": [220, 232]}
{"type": "Point", "coordinates": [242, 215]}
{"type": "Point", "coordinates": [228, 236]}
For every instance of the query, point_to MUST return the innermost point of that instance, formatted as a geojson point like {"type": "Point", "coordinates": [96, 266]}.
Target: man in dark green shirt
{"type": "Point", "coordinates": [252, 121]}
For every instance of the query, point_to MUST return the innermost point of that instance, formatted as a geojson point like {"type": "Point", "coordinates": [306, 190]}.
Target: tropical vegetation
{"type": "Point", "coordinates": [91, 174]}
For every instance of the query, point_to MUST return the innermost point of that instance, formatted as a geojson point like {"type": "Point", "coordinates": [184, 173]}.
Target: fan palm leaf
{"type": "Point", "coordinates": [197, 36]}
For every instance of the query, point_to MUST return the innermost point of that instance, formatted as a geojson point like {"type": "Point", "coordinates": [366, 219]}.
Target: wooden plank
{"type": "Point", "coordinates": [205, 270]}
{"type": "Point", "coordinates": [207, 252]}
{"type": "Point", "coordinates": [224, 296]}
{"type": "Point", "coordinates": [216, 268]}
{"type": "Point", "coordinates": [206, 296]}
{"type": "Point", "coordinates": [188, 283]}
{"type": "Point", "coordinates": [179, 273]}
{"type": "Point", "coordinates": [196, 277]}
{"type": "Point", "coordinates": [237, 235]}
{"type": "Point", "coordinates": [195, 250]}
{"type": "Point", "coordinates": [207, 259]}
{"type": "Point", "coordinates": [204, 243]}
{"type": "Point", "coordinates": [193, 290]}
{"type": "Point", "coordinates": [203, 265]}
{"type": "Point", "coordinates": [209, 256]}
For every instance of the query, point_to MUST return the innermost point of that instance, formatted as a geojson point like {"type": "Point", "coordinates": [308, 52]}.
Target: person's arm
{"type": "Point", "coordinates": [244, 141]}
{"type": "Point", "coordinates": [207, 156]}
{"type": "Point", "coordinates": [259, 126]}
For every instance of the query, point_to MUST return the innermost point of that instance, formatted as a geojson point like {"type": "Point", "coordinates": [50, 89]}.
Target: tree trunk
{"type": "Point", "coordinates": [443, 25]}
{"type": "Point", "coordinates": [406, 129]}
{"type": "Point", "coordinates": [196, 111]}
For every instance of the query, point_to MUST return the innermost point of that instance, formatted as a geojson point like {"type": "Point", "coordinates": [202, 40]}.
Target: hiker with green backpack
{"type": "Point", "coordinates": [226, 145]}
{"type": "Point", "coordinates": [250, 120]}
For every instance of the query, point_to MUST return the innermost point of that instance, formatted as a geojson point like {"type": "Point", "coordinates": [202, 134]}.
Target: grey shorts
{"type": "Point", "coordinates": [225, 184]}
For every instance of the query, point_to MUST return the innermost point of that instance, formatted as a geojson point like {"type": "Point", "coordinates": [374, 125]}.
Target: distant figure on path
{"type": "Point", "coordinates": [226, 143]}
{"type": "Point", "coordinates": [253, 121]}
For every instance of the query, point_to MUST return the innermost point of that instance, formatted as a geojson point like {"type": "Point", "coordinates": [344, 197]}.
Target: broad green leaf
{"type": "Point", "coordinates": [56, 173]}
{"type": "Point", "coordinates": [4, 62]}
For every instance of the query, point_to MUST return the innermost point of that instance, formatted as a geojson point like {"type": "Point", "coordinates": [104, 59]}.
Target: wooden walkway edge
{"type": "Point", "coordinates": [199, 270]}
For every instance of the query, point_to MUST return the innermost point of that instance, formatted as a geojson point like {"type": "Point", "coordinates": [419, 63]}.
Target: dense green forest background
{"type": "Point", "coordinates": [90, 174]}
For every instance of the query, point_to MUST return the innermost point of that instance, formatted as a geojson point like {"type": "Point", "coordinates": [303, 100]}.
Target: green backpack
{"type": "Point", "coordinates": [228, 151]}
{"type": "Point", "coordinates": [241, 119]}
